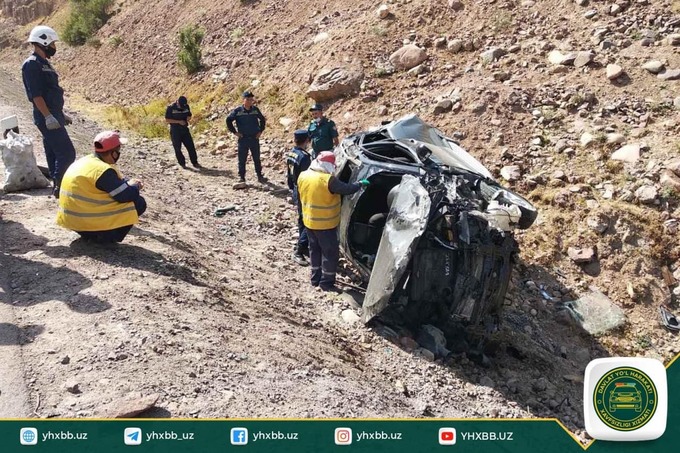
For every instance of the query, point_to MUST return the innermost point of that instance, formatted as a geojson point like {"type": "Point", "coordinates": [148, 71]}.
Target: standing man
{"type": "Point", "coordinates": [41, 82]}
{"type": "Point", "coordinates": [96, 201]}
{"type": "Point", "coordinates": [249, 126]}
{"type": "Point", "coordinates": [177, 115]}
{"type": "Point", "coordinates": [322, 131]}
{"type": "Point", "coordinates": [297, 161]}
{"type": "Point", "coordinates": [320, 198]}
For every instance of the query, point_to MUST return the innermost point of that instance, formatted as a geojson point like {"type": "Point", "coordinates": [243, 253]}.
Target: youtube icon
{"type": "Point", "coordinates": [447, 436]}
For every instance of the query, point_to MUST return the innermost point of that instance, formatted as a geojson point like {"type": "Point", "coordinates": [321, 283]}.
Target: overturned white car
{"type": "Point", "coordinates": [433, 233]}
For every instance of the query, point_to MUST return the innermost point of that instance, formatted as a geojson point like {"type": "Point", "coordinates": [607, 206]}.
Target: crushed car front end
{"type": "Point", "coordinates": [433, 233]}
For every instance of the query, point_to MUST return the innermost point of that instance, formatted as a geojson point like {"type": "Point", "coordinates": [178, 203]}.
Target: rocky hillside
{"type": "Point", "coordinates": [573, 103]}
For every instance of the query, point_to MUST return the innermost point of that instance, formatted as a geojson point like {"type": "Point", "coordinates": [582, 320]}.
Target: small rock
{"type": "Point", "coordinates": [349, 317]}
{"type": "Point", "coordinates": [556, 57]}
{"type": "Point", "coordinates": [598, 223]}
{"type": "Point", "coordinates": [583, 59]}
{"type": "Point", "coordinates": [382, 110]}
{"type": "Point", "coordinates": [443, 106]}
{"type": "Point", "coordinates": [240, 186]}
{"type": "Point", "coordinates": [614, 71]}
{"type": "Point", "coordinates": [587, 139]}
{"type": "Point", "coordinates": [425, 354]}
{"type": "Point", "coordinates": [478, 108]}
{"type": "Point", "coordinates": [401, 387]}
{"type": "Point", "coordinates": [409, 56]}
{"type": "Point", "coordinates": [653, 66]}
{"type": "Point", "coordinates": [433, 339]}
{"type": "Point", "coordinates": [628, 153]}
{"type": "Point", "coordinates": [286, 122]}
{"type": "Point", "coordinates": [590, 14]}
{"type": "Point", "coordinates": [540, 384]}
{"type": "Point", "coordinates": [455, 5]}
{"type": "Point", "coordinates": [674, 39]}
{"type": "Point", "coordinates": [383, 11]}
{"type": "Point", "coordinates": [454, 46]}
{"type": "Point", "coordinates": [440, 42]}
{"type": "Point", "coordinates": [321, 37]}
{"type": "Point", "coordinates": [65, 360]}
{"type": "Point", "coordinates": [646, 194]}
{"type": "Point", "coordinates": [72, 387]}
{"type": "Point", "coordinates": [131, 405]}
{"type": "Point", "coordinates": [409, 343]}
{"type": "Point", "coordinates": [669, 179]}
{"type": "Point", "coordinates": [487, 382]}
{"type": "Point", "coordinates": [493, 54]}
{"type": "Point", "coordinates": [582, 256]}
{"type": "Point", "coordinates": [669, 74]}
{"type": "Point", "coordinates": [616, 138]}
{"type": "Point", "coordinates": [511, 173]}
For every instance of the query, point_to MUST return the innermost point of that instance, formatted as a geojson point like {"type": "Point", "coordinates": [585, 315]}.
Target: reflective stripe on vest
{"type": "Point", "coordinates": [320, 208]}
{"type": "Point", "coordinates": [83, 207]}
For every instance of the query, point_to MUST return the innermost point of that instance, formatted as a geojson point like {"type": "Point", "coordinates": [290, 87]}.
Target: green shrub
{"type": "Point", "coordinates": [190, 39]}
{"type": "Point", "coordinates": [87, 16]}
{"type": "Point", "coordinates": [236, 34]}
{"type": "Point", "coordinates": [115, 40]}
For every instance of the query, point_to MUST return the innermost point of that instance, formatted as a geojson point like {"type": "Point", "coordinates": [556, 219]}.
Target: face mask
{"type": "Point", "coordinates": [49, 51]}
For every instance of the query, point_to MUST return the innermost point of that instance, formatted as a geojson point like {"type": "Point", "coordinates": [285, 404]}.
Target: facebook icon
{"type": "Point", "coordinates": [239, 436]}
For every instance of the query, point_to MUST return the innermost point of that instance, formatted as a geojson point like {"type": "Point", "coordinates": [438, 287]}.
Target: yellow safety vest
{"type": "Point", "coordinates": [83, 207]}
{"type": "Point", "coordinates": [320, 208]}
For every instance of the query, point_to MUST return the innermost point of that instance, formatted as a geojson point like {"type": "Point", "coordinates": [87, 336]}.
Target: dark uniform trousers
{"type": "Point", "coordinates": [252, 144]}
{"type": "Point", "coordinates": [324, 253]}
{"type": "Point", "coordinates": [303, 237]}
{"type": "Point", "coordinates": [182, 136]}
{"type": "Point", "coordinates": [117, 234]}
{"type": "Point", "coordinates": [59, 150]}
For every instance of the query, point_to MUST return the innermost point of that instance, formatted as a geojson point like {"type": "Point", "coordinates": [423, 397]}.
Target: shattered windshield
{"type": "Point", "coordinates": [443, 149]}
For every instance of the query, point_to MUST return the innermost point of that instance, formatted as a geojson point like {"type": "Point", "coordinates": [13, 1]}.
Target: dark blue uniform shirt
{"type": "Point", "coordinates": [175, 112]}
{"type": "Point", "coordinates": [297, 160]}
{"type": "Point", "coordinates": [249, 122]}
{"type": "Point", "coordinates": [41, 80]}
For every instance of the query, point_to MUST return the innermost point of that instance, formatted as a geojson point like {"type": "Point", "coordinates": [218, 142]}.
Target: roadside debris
{"type": "Point", "coordinates": [669, 320]}
{"type": "Point", "coordinates": [596, 313]}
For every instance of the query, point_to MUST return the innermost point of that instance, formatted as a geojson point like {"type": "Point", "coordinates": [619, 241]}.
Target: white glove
{"type": "Point", "coordinates": [67, 119]}
{"type": "Point", "coordinates": [51, 122]}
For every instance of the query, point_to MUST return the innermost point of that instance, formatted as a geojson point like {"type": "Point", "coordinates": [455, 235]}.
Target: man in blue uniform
{"type": "Point", "coordinates": [41, 82]}
{"type": "Point", "coordinates": [297, 161]}
{"type": "Point", "coordinates": [322, 131]}
{"type": "Point", "coordinates": [177, 115]}
{"type": "Point", "coordinates": [249, 126]}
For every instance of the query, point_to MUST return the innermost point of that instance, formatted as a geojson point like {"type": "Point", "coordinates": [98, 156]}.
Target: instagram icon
{"type": "Point", "coordinates": [343, 436]}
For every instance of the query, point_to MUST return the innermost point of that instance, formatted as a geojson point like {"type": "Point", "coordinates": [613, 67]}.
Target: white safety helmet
{"type": "Point", "coordinates": [43, 35]}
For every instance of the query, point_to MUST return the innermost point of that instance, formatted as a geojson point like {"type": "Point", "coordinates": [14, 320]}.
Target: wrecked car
{"type": "Point", "coordinates": [432, 235]}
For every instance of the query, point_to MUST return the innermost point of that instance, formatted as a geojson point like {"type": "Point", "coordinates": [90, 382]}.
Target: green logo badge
{"type": "Point", "coordinates": [625, 399]}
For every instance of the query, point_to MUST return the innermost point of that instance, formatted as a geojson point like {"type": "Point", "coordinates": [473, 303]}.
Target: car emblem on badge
{"type": "Point", "coordinates": [625, 398]}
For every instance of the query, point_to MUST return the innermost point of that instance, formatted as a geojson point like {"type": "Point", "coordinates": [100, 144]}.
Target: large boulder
{"type": "Point", "coordinates": [334, 82]}
{"type": "Point", "coordinates": [408, 57]}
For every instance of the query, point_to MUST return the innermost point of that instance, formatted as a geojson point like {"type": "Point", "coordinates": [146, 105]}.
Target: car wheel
{"type": "Point", "coordinates": [508, 197]}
